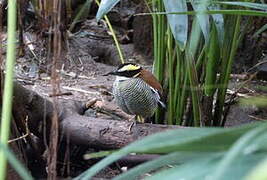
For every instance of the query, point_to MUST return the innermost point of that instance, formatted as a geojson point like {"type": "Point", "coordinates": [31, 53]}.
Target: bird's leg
{"type": "Point", "coordinates": [140, 119]}
{"type": "Point", "coordinates": [133, 120]}
{"type": "Point", "coordinates": [136, 119]}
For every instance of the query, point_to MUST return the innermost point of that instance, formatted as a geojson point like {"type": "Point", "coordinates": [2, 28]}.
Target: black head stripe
{"type": "Point", "coordinates": [129, 73]}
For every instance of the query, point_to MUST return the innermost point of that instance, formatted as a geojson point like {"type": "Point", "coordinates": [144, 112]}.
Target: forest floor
{"type": "Point", "coordinates": [81, 73]}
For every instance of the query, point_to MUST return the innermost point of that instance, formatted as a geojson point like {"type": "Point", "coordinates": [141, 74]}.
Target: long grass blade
{"type": "Point", "coordinates": [20, 169]}
{"type": "Point", "coordinates": [244, 4]}
{"type": "Point", "coordinates": [192, 72]}
{"type": "Point", "coordinates": [222, 11]}
{"type": "Point", "coordinates": [8, 84]}
{"type": "Point", "coordinates": [213, 57]}
{"type": "Point", "coordinates": [159, 30]}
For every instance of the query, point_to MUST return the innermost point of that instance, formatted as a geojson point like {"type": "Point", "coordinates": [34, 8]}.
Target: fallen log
{"type": "Point", "coordinates": [81, 130]}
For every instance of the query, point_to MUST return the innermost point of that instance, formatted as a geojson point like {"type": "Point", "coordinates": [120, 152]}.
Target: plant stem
{"type": "Point", "coordinates": [114, 36]}
{"type": "Point", "coordinates": [226, 74]}
{"type": "Point", "coordinates": [159, 25]}
{"type": "Point", "coordinates": [171, 76]}
{"type": "Point", "coordinates": [8, 86]}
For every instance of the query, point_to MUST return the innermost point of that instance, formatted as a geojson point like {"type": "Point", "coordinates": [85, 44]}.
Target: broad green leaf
{"type": "Point", "coordinates": [188, 139]}
{"type": "Point", "coordinates": [219, 23]}
{"type": "Point", "coordinates": [259, 172]}
{"type": "Point", "coordinates": [178, 23]}
{"type": "Point", "coordinates": [104, 7]}
{"type": "Point", "coordinates": [201, 168]}
{"type": "Point", "coordinates": [241, 166]}
{"type": "Point", "coordinates": [259, 144]}
{"type": "Point", "coordinates": [237, 150]}
{"type": "Point", "coordinates": [176, 158]}
{"type": "Point", "coordinates": [194, 39]}
{"type": "Point", "coordinates": [202, 17]}
{"type": "Point", "coordinates": [193, 169]}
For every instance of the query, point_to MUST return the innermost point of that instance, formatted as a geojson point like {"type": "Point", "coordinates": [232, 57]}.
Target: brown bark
{"type": "Point", "coordinates": [106, 134]}
{"type": "Point", "coordinates": [82, 130]}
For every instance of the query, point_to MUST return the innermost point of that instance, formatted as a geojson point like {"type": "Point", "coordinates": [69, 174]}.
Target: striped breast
{"type": "Point", "coordinates": [134, 96]}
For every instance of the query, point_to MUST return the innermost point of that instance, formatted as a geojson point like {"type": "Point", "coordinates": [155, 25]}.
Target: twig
{"type": "Point", "coordinates": [256, 65]}
{"type": "Point", "coordinates": [231, 92]}
{"type": "Point", "coordinates": [233, 97]}
{"type": "Point", "coordinates": [73, 75]}
{"type": "Point", "coordinates": [80, 90]}
{"type": "Point", "coordinates": [90, 103]}
{"type": "Point", "coordinates": [244, 76]}
{"type": "Point", "coordinates": [240, 76]}
{"type": "Point", "coordinates": [25, 135]}
{"type": "Point", "coordinates": [256, 118]}
{"type": "Point", "coordinates": [61, 94]}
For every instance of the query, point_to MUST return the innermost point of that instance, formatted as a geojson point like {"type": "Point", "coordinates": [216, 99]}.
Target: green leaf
{"type": "Point", "coordinates": [201, 168]}
{"type": "Point", "coordinates": [241, 166]}
{"type": "Point", "coordinates": [237, 150]}
{"type": "Point", "coordinates": [223, 11]}
{"type": "Point", "coordinates": [81, 14]}
{"type": "Point", "coordinates": [187, 139]}
{"type": "Point", "coordinates": [262, 29]}
{"type": "Point", "coordinates": [219, 23]}
{"type": "Point", "coordinates": [194, 40]}
{"type": "Point", "coordinates": [104, 7]}
{"type": "Point", "coordinates": [178, 23]}
{"type": "Point", "coordinates": [176, 158]}
{"type": "Point", "coordinates": [97, 154]}
{"type": "Point", "coordinates": [202, 17]}
{"type": "Point", "coordinates": [191, 56]}
{"type": "Point", "coordinates": [260, 101]}
{"type": "Point", "coordinates": [244, 4]}
{"type": "Point", "coordinates": [213, 57]}
{"type": "Point", "coordinates": [192, 169]}
{"type": "Point", "coordinates": [259, 172]}
{"type": "Point", "coordinates": [17, 165]}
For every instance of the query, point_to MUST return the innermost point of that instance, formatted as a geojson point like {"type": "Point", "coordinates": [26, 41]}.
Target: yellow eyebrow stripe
{"type": "Point", "coordinates": [129, 67]}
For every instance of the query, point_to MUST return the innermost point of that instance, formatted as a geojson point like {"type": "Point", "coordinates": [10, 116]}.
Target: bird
{"type": "Point", "coordinates": [136, 90]}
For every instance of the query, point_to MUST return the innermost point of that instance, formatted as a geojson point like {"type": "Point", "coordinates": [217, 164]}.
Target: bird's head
{"type": "Point", "coordinates": [129, 70]}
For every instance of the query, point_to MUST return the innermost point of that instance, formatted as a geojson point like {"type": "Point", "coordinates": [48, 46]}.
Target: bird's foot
{"type": "Point", "coordinates": [133, 123]}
